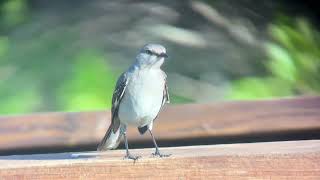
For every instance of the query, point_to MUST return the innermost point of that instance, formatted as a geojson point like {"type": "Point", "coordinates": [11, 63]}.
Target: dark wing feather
{"type": "Point", "coordinates": [116, 99]}
{"type": "Point", "coordinates": [166, 98]}
{"type": "Point", "coordinates": [107, 142]}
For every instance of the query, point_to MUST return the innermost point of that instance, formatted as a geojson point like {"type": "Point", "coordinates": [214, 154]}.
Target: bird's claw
{"type": "Point", "coordinates": [129, 156]}
{"type": "Point", "coordinates": [158, 154]}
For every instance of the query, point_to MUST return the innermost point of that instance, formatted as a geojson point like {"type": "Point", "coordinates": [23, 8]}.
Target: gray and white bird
{"type": "Point", "coordinates": [139, 96]}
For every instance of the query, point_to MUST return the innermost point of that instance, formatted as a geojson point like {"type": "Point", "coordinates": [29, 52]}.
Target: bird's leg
{"type": "Point", "coordinates": [128, 155]}
{"type": "Point", "coordinates": [157, 152]}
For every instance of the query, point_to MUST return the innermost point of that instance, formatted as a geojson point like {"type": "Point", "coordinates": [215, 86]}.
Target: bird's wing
{"type": "Point", "coordinates": [113, 135]}
{"type": "Point", "coordinates": [116, 99]}
{"type": "Point", "coordinates": [165, 98]}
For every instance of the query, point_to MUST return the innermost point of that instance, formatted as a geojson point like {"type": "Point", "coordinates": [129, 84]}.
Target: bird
{"type": "Point", "coordinates": [140, 94]}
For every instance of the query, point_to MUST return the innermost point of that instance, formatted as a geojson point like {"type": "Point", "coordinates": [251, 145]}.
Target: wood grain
{"type": "Point", "coordinates": [180, 122]}
{"type": "Point", "coordinates": [274, 160]}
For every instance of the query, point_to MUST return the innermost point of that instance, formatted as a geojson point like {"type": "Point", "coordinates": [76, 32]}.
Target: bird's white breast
{"type": "Point", "coordinates": [143, 97]}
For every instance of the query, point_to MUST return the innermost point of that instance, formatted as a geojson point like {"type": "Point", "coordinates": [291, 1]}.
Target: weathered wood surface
{"type": "Point", "coordinates": [180, 122]}
{"type": "Point", "coordinates": [273, 160]}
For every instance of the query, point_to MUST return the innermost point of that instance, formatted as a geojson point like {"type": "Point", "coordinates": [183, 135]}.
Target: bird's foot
{"type": "Point", "coordinates": [130, 156]}
{"type": "Point", "coordinates": [158, 154]}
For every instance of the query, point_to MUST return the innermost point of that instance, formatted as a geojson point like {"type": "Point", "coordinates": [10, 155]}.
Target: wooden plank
{"type": "Point", "coordinates": [274, 160]}
{"type": "Point", "coordinates": [176, 123]}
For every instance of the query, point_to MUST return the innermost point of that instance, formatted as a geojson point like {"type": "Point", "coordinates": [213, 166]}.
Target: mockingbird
{"type": "Point", "coordinates": [139, 95]}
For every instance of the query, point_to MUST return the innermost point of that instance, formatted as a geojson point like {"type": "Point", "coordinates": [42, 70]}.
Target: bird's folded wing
{"type": "Point", "coordinates": [166, 98]}
{"type": "Point", "coordinates": [116, 99]}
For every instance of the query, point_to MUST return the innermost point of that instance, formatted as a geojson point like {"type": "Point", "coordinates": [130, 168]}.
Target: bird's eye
{"type": "Point", "coordinates": [148, 52]}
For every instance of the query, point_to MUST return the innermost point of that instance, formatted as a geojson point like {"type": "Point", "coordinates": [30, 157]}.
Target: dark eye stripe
{"type": "Point", "coordinates": [159, 55]}
{"type": "Point", "coordinates": [148, 52]}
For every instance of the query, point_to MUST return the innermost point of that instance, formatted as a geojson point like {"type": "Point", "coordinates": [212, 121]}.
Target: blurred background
{"type": "Point", "coordinates": [66, 55]}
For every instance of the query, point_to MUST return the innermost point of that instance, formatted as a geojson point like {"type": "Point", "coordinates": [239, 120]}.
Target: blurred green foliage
{"type": "Point", "coordinates": [293, 63]}
{"type": "Point", "coordinates": [37, 75]}
{"type": "Point", "coordinates": [90, 86]}
{"type": "Point", "coordinates": [85, 82]}
{"type": "Point", "coordinates": [4, 43]}
{"type": "Point", "coordinates": [176, 99]}
{"type": "Point", "coordinates": [12, 13]}
{"type": "Point", "coordinates": [49, 73]}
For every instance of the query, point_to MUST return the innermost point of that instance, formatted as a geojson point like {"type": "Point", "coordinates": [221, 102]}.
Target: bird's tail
{"type": "Point", "coordinates": [111, 139]}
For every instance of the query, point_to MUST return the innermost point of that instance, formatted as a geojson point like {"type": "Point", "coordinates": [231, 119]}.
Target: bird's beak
{"type": "Point", "coordinates": [164, 55]}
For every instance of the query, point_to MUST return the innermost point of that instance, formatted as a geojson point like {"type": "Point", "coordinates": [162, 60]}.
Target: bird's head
{"type": "Point", "coordinates": [151, 56]}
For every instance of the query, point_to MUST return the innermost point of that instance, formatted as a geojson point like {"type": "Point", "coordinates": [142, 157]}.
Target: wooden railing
{"type": "Point", "coordinates": [259, 122]}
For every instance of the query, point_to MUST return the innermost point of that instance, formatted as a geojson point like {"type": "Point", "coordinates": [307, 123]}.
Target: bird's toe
{"type": "Point", "coordinates": [130, 156]}
{"type": "Point", "coordinates": [158, 154]}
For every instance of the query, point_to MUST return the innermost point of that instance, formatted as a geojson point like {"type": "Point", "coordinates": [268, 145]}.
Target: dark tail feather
{"type": "Point", "coordinates": [111, 139]}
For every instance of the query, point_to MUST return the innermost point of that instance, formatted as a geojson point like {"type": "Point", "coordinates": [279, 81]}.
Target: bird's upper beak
{"type": "Point", "coordinates": [164, 55]}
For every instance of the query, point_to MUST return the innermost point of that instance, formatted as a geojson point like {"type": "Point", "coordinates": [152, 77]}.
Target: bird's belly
{"type": "Point", "coordinates": [142, 100]}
